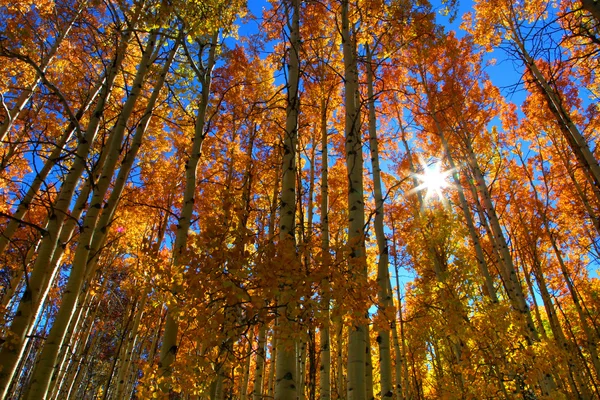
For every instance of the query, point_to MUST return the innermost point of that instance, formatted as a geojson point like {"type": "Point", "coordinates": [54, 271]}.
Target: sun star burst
{"type": "Point", "coordinates": [433, 180]}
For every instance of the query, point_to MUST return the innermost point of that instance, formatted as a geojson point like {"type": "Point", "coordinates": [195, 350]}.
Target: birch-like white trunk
{"type": "Point", "coordinates": [259, 369]}
{"type": "Point", "coordinates": [357, 387]}
{"type": "Point", "coordinates": [246, 367]}
{"type": "Point", "coordinates": [169, 343]}
{"type": "Point", "coordinates": [44, 368]}
{"type": "Point", "coordinates": [286, 378]}
{"type": "Point", "coordinates": [10, 355]}
{"type": "Point", "coordinates": [384, 296]}
{"type": "Point", "coordinates": [40, 177]}
{"type": "Point", "coordinates": [324, 336]}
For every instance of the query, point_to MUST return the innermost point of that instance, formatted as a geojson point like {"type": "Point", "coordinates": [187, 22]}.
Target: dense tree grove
{"type": "Point", "coordinates": [339, 203]}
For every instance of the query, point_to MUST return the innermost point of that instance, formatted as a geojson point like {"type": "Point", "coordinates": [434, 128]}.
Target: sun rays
{"type": "Point", "coordinates": [433, 180]}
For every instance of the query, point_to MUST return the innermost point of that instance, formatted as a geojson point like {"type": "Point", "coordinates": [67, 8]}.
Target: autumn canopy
{"type": "Point", "coordinates": [308, 199]}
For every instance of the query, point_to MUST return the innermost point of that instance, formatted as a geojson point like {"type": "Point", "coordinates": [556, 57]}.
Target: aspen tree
{"type": "Point", "coordinates": [590, 334]}
{"type": "Point", "coordinates": [271, 377]}
{"type": "Point", "coordinates": [86, 347]}
{"type": "Point", "coordinates": [10, 355]}
{"type": "Point", "coordinates": [42, 175]}
{"type": "Point", "coordinates": [568, 164]}
{"type": "Point", "coordinates": [125, 167]}
{"type": "Point", "coordinates": [119, 349]}
{"type": "Point", "coordinates": [108, 211]}
{"type": "Point", "coordinates": [242, 256]}
{"type": "Point", "coordinates": [154, 344]}
{"type": "Point", "coordinates": [357, 388]}
{"type": "Point", "coordinates": [384, 297]}
{"type": "Point", "coordinates": [45, 365]}
{"type": "Point", "coordinates": [21, 102]}
{"type": "Point", "coordinates": [67, 230]}
{"type": "Point", "coordinates": [575, 378]}
{"type": "Point", "coordinates": [127, 163]}
{"type": "Point", "coordinates": [369, 365]}
{"type": "Point", "coordinates": [508, 18]}
{"type": "Point", "coordinates": [324, 336]}
{"type": "Point", "coordinates": [515, 291]}
{"type": "Point", "coordinates": [71, 342]}
{"type": "Point", "coordinates": [490, 290]}
{"type": "Point", "coordinates": [301, 366]}
{"type": "Point", "coordinates": [270, 382]}
{"type": "Point", "coordinates": [506, 265]}
{"type": "Point", "coordinates": [64, 386]}
{"type": "Point", "coordinates": [259, 369]}
{"type": "Point", "coordinates": [66, 233]}
{"type": "Point", "coordinates": [286, 378]}
{"type": "Point", "coordinates": [132, 335]}
{"type": "Point", "coordinates": [246, 368]}
{"type": "Point", "coordinates": [305, 375]}
{"type": "Point", "coordinates": [339, 359]}
{"type": "Point", "coordinates": [571, 133]}
{"type": "Point", "coordinates": [169, 343]}
{"type": "Point", "coordinates": [403, 389]}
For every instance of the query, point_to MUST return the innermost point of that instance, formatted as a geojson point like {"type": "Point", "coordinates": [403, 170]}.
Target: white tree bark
{"type": "Point", "coordinates": [357, 387]}
{"type": "Point", "coordinates": [44, 368]}
{"type": "Point", "coordinates": [324, 336]}
{"type": "Point", "coordinates": [10, 355]}
{"type": "Point", "coordinates": [286, 378]}
{"type": "Point", "coordinates": [169, 344]}
{"type": "Point", "coordinates": [259, 370]}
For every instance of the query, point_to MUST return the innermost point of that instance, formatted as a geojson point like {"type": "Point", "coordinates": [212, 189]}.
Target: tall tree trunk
{"type": "Point", "coordinates": [369, 364]}
{"type": "Point", "coordinates": [555, 325]}
{"type": "Point", "coordinates": [506, 265]}
{"type": "Point", "coordinates": [479, 254]}
{"type": "Point", "coordinates": [169, 343]}
{"type": "Point", "coordinates": [357, 388]}
{"type": "Point", "coordinates": [312, 363]}
{"type": "Point", "coordinates": [324, 337]}
{"type": "Point", "coordinates": [339, 371]}
{"type": "Point", "coordinates": [301, 366]}
{"type": "Point", "coordinates": [10, 355]}
{"type": "Point", "coordinates": [286, 380]}
{"type": "Point", "coordinates": [71, 342]}
{"type": "Point", "coordinates": [304, 374]}
{"type": "Point", "coordinates": [490, 290]}
{"type": "Point", "coordinates": [259, 369]}
{"type": "Point", "coordinates": [132, 337]}
{"type": "Point", "coordinates": [150, 251]}
{"type": "Point", "coordinates": [77, 353]}
{"type": "Point", "coordinates": [402, 382]}
{"type": "Point", "coordinates": [384, 298]}
{"type": "Point", "coordinates": [246, 367]}
{"type": "Point", "coordinates": [43, 371]}
{"type": "Point", "coordinates": [40, 177]}
{"type": "Point", "coordinates": [575, 377]}
{"type": "Point", "coordinates": [117, 356]}
{"type": "Point", "coordinates": [592, 338]}
{"type": "Point", "coordinates": [272, 367]}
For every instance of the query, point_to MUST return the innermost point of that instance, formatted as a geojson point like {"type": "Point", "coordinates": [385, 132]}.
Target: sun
{"type": "Point", "coordinates": [433, 180]}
